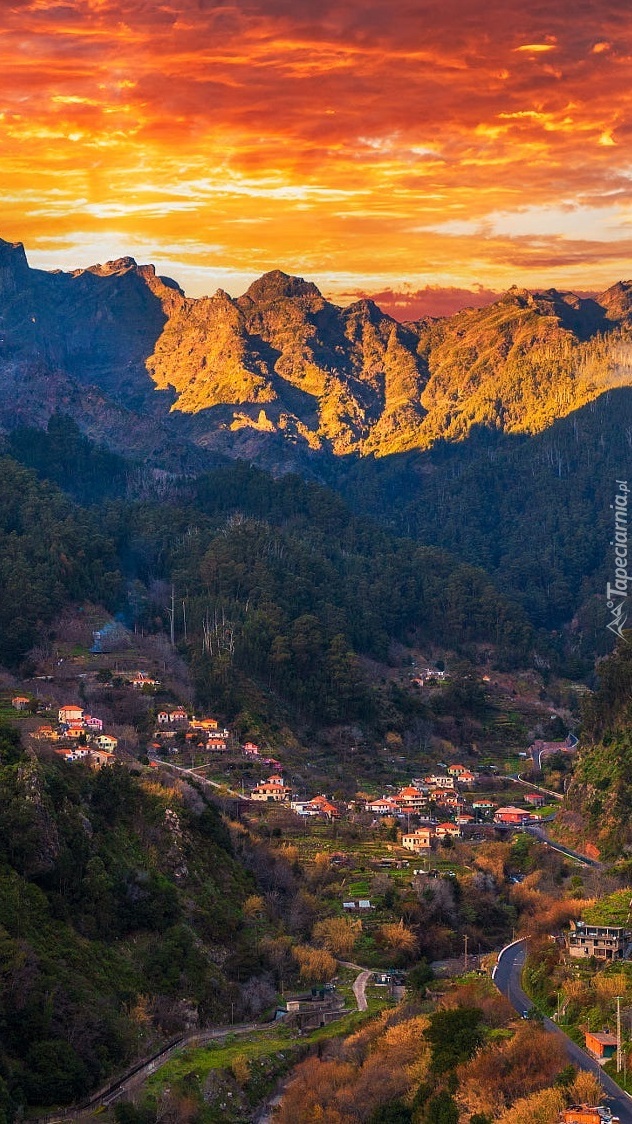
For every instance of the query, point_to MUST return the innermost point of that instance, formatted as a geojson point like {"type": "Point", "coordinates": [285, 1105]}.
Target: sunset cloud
{"type": "Point", "coordinates": [371, 146]}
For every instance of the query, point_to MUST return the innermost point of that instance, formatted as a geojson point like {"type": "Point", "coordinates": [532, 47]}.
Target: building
{"type": "Point", "coordinates": [106, 743]}
{"type": "Point", "coordinates": [534, 799]}
{"type": "Point", "coordinates": [417, 841]}
{"type": "Point", "coordinates": [603, 1045]}
{"type": "Point", "coordinates": [444, 830]}
{"type": "Point", "coordinates": [586, 1114]}
{"type": "Point", "coordinates": [95, 725]}
{"type": "Point", "coordinates": [383, 807]}
{"type": "Point", "coordinates": [20, 702]}
{"type": "Point", "coordinates": [604, 942]}
{"type": "Point", "coordinates": [70, 713]}
{"type": "Point", "coordinates": [272, 790]}
{"type": "Point", "coordinates": [439, 780]}
{"type": "Point", "coordinates": [511, 816]}
{"type": "Point", "coordinates": [100, 757]}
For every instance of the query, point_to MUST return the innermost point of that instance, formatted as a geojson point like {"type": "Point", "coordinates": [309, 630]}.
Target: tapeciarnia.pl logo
{"type": "Point", "coordinates": [617, 592]}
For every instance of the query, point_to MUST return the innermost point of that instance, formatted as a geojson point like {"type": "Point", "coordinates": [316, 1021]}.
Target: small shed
{"type": "Point", "coordinates": [602, 1044]}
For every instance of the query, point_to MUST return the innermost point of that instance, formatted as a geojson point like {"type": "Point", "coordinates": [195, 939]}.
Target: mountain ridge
{"type": "Point", "coordinates": [281, 374]}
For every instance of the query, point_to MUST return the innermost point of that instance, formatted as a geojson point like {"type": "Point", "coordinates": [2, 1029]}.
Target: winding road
{"type": "Point", "coordinates": [506, 976]}
{"type": "Point", "coordinates": [359, 984]}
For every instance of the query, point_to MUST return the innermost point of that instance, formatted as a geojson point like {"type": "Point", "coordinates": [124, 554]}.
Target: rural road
{"type": "Point", "coordinates": [134, 1077]}
{"type": "Point", "coordinates": [359, 984]}
{"type": "Point", "coordinates": [540, 835]}
{"type": "Point", "coordinates": [507, 979]}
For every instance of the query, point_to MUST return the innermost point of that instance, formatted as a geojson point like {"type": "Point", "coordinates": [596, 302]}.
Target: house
{"type": "Point", "coordinates": [216, 744]}
{"type": "Point", "coordinates": [45, 733]}
{"type": "Point", "coordinates": [95, 725]}
{"type": "Point", "coordinates": [106, 743]}
{"type": "Point", "coordinates": [141, 679]}
{"type": "Point", "coordinates": [69, 713]}
{"type": "Point", "coordinates": [66, 754]}
{"type": "Point", "coordinates": [20, 702]}
{"type": "Point", "coordinates": [440, 780]}
{"type": "Point", "coordinates": [604, 942]}
{"type": "Point", "coordinates": [251, 750]}
{"type": "Point", "coordinates": [464, 818]}
{"type": "Point", "coordinates": [467, 778]}
{"type": "Point", "coordinates": [303, 808]}
{"type": "Point", "coordinates": [272, 790]}
{"type": "Point", "coordinates": [410, 799]}
{"type": "Point", "coordinates": [448, 829]}
{"type": "Point", "coordinates": [178, 716]}
{"type": "Point", "coordinates": [602, 1045]}
{"type": "Point", "coordinates": [534, 799]}
{"type": "Point", "coordinates": [483, 805]}
{"type": "Point", "coordinates": [382, 807]}
{"type": "Point", "coordinates": [100, 758]}
{"type": "Point", "coordinates": [163, 717]}
{"type": "Point", "coordinates": [511, 816]}
{"type": "Point", "coordinates": [208, 724]}
{"type": "Point", "coordinates": [324, 807]}
{"type": "Point", "coordinates": [417, 841]}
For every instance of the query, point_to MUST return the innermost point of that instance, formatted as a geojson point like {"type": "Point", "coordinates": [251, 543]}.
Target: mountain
{"type": "Point", "coordinates": [282, 375]}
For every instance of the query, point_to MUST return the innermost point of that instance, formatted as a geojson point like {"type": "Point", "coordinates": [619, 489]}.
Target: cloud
{"type": "Point", "coordinates": [390, 143]}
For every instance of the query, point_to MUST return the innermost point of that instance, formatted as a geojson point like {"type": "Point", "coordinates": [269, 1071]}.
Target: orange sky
{"type": "Point", "coordinates": [367, 145]}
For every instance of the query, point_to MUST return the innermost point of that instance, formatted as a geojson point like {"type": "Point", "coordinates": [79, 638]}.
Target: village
{"type": "Point", "coordinates": [449, 803]}
{"type": "Point", "coordinates": [375, 846]}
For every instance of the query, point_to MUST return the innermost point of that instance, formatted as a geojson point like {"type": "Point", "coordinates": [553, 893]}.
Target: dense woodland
{"type": "Point", "coordinates": [113, 891]}
{"type": "Point", "coordinates": [532, 511]}
{"type": "Point", "coordinates": [274, 580]}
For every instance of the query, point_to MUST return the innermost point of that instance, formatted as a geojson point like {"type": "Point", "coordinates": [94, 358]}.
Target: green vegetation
{"type": "Point", "coordinates": [601, 790]}
{"type": "Point", "coordinates": [51, 553]}
{"type": "Point", "coordinates": [108, 887]}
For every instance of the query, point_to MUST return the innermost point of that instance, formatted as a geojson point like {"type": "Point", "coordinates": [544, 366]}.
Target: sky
{"type": "Point", "coordinates": [433, 152]}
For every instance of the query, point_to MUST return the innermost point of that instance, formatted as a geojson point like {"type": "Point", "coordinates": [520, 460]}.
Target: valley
{"type": "Point", "coordinates": [307, 703]}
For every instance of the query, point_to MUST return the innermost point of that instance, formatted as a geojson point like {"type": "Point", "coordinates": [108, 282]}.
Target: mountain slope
{"type": "Point", "coordinates": [281, 373]}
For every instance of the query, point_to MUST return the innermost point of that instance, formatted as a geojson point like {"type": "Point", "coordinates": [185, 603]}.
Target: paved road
{"type": "Point", "coordinates": [507, 979]}
{"type": "Point", "coordinates": [359, 984]}
{"type": "Point", "coordinates": [519, 779]}
{"type": "Point", "coordinates": [541, 835]}
{"type": "Point", "coordinates": [225, 790]}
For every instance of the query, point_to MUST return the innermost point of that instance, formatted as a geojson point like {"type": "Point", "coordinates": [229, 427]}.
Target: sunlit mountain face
{"type": "Point", "coordinates": [431, 153]}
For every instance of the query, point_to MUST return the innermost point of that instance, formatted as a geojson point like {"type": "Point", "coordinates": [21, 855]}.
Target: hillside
{"type": "Point", "coordinates": [598, 808]}
{"type": "Point", "coordinates": [282, 374]}
{"type": "Point", "coordinates": [120, 900]}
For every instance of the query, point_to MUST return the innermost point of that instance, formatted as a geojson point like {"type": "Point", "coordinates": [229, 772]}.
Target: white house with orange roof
{"type": "Point", "coordinates": [410, 798]}
{"type": "Point", "coordinates": [383, 806]}
{"type": "Point", "coordinates": [70, 714]}
{"type": "Point", "coordinates": [273, 789]}
{"type": "Point", "coordinates": [420, 840]}
{"type": "Point", "coordinates": [447, 829]}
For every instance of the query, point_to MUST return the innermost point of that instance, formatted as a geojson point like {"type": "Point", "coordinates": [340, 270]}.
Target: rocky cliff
{"type": "Point", "coordinates": [282, 374]}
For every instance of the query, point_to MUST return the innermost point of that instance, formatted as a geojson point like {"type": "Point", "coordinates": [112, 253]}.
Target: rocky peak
{"type": "Point", "coordinates": [14, 268]}
{"type": "Point", "coordinates": [617, 300]}
{"type": "Point", "coordinates": [277, 285]}
{"type": "Point", "coordinates": [119, 265]}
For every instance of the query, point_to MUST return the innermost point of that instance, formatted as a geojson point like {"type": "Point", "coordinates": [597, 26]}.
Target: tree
{"type": "Point", "coordinates": [454, 1036]}
{"type": "Point", "coordinates": [337, 934]}
{"type": "Point", "coordinates": [442, 1109]}
{"type": "Point", "coordinates": [316, 964]}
